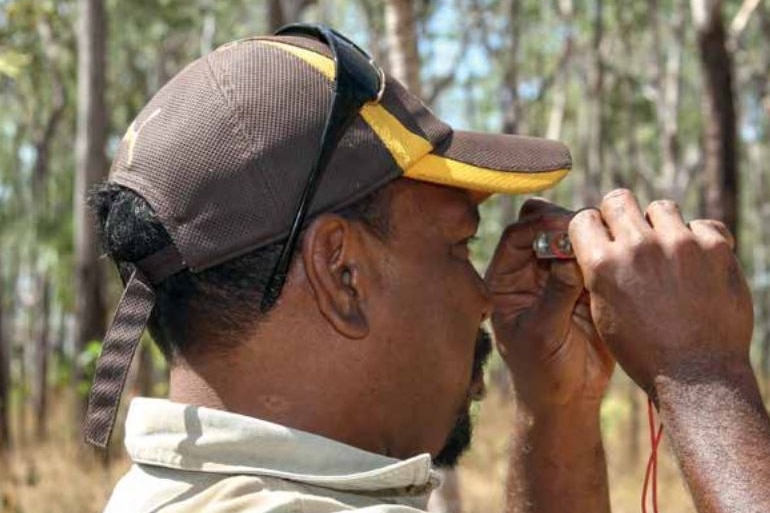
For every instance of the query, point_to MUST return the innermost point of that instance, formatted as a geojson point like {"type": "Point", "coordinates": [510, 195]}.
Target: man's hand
{"type": "Point", "coordinates": [560, 370]}
{"type": "Point", "coordinates": [671, 302]}
{"type": "Point", "coordinates": [542, 328]}
{"type": "Point", "coordinates": [666, 297]}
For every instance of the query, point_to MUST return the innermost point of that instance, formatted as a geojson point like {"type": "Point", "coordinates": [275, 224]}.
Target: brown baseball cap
{"type": "Point", "coordinates": [222, 153]}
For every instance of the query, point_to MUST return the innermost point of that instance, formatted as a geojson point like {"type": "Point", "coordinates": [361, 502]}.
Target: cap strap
{"type": "Point", "coordinates": [161, 264]}
{"type": "Point", "coordinates": [118, 350]}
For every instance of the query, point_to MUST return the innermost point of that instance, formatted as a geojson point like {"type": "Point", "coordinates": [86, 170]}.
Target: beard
{"type": "Point", "coordinates": [459, 439]}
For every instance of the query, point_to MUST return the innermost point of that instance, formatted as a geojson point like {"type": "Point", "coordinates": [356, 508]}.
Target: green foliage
{"type": "Point", "coordinates": [12, 63]}
{"type": "Point", "coordinates": [86, 360]}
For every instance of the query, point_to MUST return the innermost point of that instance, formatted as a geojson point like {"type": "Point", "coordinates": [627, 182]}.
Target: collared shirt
{"type": "Point", "coordinates": [188, 458]}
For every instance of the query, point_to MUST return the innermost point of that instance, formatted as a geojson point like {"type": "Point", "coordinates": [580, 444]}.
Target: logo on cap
{"type": "Point", "coordinates": [132, 135]}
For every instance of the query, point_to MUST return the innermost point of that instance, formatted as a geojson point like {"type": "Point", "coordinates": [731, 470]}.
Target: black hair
{"type": "Point", "coordinates": [198, 312]}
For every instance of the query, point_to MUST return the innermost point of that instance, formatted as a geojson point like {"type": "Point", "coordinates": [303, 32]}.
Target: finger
{"type": "Point", "coordinates": [514, 250]}
{"type": "Point", "coordinates": [560, 295]}
{"type": "Point", "coordinates": [665, 217]}
{"type": "Point", "coordinates": [623, 216]}
{"type": "Point", "coordinates": [534, 207]}
{"type": "Point", "coordinates": [588, 235]}
{"type": "Point", "coordinates": [711, 233]}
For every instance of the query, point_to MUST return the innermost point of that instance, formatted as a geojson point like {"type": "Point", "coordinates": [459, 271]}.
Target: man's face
{"type": "Point", "coordinates": [427, 312]}
{"type": "Point", "coordinates": [459, 439]}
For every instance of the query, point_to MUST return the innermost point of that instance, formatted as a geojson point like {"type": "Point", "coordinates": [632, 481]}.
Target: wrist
{"type": "Point", "coordinates": [569, 429]}
{"type": "Point", "coordinates": [703, 379]}
{"type": "Point", "coordinates": [552, 411]}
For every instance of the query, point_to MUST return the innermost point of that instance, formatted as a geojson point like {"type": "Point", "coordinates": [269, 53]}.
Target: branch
{"type": "Point", "coordinates": [42, 141]}
{"type": "Point", "coordinates": [741, 19]}
{"type": "Point", "coordinates": [550, 79]}
{"type": "Point", "coordinates": [439, 84]}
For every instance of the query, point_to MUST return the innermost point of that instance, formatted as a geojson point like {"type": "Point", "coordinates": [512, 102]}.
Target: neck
{"type": "Point", "coordinates": [308, 394]}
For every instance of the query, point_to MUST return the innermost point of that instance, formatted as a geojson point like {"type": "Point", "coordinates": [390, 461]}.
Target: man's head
{"type": "Point", "coordinates": [387, 280]}
{"type": "Point", "coordinates": [375, 338]}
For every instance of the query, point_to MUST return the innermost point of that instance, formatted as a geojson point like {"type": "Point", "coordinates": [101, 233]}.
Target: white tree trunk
{"type": "Point", "coordinates": [401, 35]}
{"type": "Point", "coordinates": [91, 167]}
{"type": "Point", "coordinates": [5, 380]}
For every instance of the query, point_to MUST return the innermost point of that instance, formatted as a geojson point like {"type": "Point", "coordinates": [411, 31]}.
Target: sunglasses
{"type": "Point", "coordinates": [358, 80]}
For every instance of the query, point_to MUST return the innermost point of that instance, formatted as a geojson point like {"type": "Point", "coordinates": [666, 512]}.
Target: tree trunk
{"type": "Point", "coordinates": [20, 353]}
{"type": "Point", "coordinates": [401, 35]}
{"type": "Point", "coordinates": [760, 189]}
{"type": "Point", "coordinates": [511, 103]}
{"type": "Point", "coordinates": [667, 70]}
{"type": "Point", "coordinates": [594, 153]}
{"type": "Point", "coordinates": [209, 29]}
{"type": "Point", "coordinates": [45, 136]}
{"type": "Point", "coordinates": [720, 137]}
{"type": "Point", "coordinates": [5, 381]}
{"type": "Point", "coordinates": [282, 12]}
{"type": "Point", "coordinates": [41, 356]}
{"type": "Point", "coordinates": [635, 423]}
{"type": "Point", "coordinates": [145, 380]}
{"type": "Point", "coordinates": [561, 83]}
{"type": "Point", "coordinates": [760, 219]}
{"type": "Point", "coordinates": [91, 165]}
{"type": "Point", "coordinates": [375, 30]}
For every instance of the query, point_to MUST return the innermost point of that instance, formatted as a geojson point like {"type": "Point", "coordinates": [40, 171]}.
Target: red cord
{"type": "Point", "coordinates": [652, 462]}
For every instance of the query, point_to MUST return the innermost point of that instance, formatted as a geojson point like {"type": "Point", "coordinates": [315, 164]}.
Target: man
{"type": "Point", "coordinates": [337, 388]}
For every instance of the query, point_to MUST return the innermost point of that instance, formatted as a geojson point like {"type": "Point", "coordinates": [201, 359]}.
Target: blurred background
{"type": "Point", "coordinates": [670, 98]}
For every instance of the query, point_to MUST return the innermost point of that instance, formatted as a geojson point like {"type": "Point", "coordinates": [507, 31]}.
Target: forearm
{"type": "Point", "coordinates": [557, 464]}
{"type": "Point", "coordinates": [720, 433]}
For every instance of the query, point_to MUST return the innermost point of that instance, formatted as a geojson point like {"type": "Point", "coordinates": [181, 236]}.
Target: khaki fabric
{"type": "Point", "coordinates": [188, 458]}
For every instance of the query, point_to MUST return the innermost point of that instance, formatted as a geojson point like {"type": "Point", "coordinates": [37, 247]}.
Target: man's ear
{"type": "Point", "coordinates": [335, 259]}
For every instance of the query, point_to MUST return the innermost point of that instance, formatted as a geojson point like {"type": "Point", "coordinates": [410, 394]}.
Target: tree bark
{"type": "Point", "coordinates": [41, 356]}
{"type": "Point", "coordinates": [760, 188]}
{"type": "Point", "coordinates": [759, 217]}
{"type": "Point", "coordinates": [282, 12]}
{"type": "Point", "coordinates": [511, 103]}
{"type": "Point", "coordinates": [145, 379]}
{"type": "Point", "coordinates": [720, 134]}
{"type": "Point", "coordinates": [401, 36]}
{"type": "Point", "coordinates": [45, 136]}
{"type": "Point", "coordinates": [666, 77]}
{"type": "Point", "coordinates": [595, 144]}
{"type": "Point", "coordinates": [91, 166]}
{"type": "Point", "coordinates": [556, 116]}
{"type": "Point", "coordinates": [209, 29]}
{"type": "Point", "coordinates": [5, 381]}
{"type": "Point", "coordinates": [375, 30]}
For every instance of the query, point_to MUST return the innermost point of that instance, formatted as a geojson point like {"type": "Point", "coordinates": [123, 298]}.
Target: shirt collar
{"type": "Point", "coordinates": [163, 433]}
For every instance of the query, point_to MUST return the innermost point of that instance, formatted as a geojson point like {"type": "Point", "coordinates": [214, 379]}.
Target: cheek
{"type": "Point", "coordinates": [431, 316]}
{"type": "Point", "coordinates": [443, 311]}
